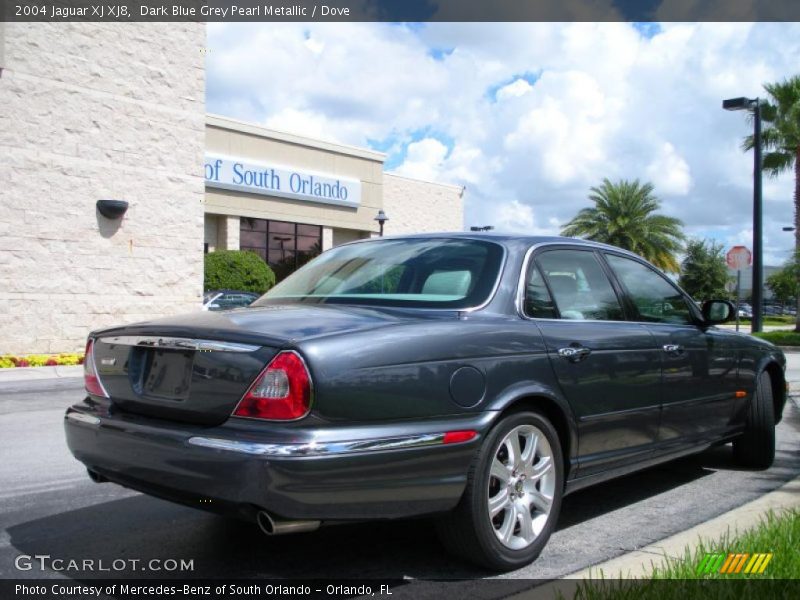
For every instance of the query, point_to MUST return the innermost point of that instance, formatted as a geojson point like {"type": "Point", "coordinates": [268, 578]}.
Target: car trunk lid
{"type": "Point", "coordinates": [183, 379]}
{"type": "Point", "coordinates": [195, 368]}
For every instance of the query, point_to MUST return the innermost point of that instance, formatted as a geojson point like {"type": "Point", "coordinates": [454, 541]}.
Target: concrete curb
{"type": "Point", "coordinates": [40, 373]}
{"type": "Point", "coordinates": [639, 563]}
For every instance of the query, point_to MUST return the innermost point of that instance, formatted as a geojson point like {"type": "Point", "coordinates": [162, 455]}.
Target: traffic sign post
{"type": "Point", "coordinates": [739, 257]}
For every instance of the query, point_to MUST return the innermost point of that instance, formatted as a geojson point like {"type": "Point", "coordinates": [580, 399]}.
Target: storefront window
{"type": "Point", "coordinates": [285, 246]}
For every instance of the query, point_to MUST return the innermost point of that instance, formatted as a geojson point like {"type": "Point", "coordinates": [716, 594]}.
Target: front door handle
{"type": "Point", "coordinates": [574, 353]}
{"type": "Point", "coordinates": [673, 349]}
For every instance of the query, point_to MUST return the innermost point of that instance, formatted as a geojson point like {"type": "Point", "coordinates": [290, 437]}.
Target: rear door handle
{"type": "Point", "coordinates": [574, 353]}
{"type": "Point", "coordinates": [673, 349]}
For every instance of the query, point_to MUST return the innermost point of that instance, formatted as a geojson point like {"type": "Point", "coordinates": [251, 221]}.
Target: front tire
{"type": "Point", "coordinates": [755, 448]}
{"type": "Point", "coordinates": [513, 495]}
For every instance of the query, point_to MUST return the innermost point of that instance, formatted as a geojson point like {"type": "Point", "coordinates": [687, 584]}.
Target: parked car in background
{"type": "Point", "coordinates": [227, 299]}
{"type": "Point", "coordinates": [745, 311]}
{"type": "Point", "coordinates": [477, 378]}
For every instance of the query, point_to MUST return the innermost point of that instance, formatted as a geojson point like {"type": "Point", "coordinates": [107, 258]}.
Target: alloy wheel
{"type": "Point", "coordinates": [522, 481]}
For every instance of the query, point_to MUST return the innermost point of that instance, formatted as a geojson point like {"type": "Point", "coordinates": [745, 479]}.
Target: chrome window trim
{"type": "Point", "coordinates": [178, 343]}
{"type": "Point", "coordinates": [321, 448]}
{"type": "Point", "coordinates": [520, 299]}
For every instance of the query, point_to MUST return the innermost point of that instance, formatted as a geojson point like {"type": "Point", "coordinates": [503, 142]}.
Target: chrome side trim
{"type": "Point", "coordinates": [321, 448]}
{"type": "Point", "coordinates": [155, 341]}
{"type": "Point", "coordinates": [82, 418]}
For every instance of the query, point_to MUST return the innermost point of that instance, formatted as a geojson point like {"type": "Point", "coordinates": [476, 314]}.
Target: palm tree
{"type": "Point", "coordinates": [625, 215]}
{"type": "Point", "coordinates": [780, 139]}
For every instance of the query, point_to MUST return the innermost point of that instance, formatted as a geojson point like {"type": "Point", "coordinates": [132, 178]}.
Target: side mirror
{"type": "Point", "coordinates": [718, 311]}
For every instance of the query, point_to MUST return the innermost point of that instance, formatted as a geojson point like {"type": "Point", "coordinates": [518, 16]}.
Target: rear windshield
{"type": "Point", "coordinates": [424, 273]}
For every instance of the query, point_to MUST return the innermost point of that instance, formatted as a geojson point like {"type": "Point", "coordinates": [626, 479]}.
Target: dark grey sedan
{"type": "Point", "coordinates": [476, 378]}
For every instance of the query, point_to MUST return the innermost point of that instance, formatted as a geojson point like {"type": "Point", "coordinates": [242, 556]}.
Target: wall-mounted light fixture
{"type": "Point", "coordinates": [112, 209]}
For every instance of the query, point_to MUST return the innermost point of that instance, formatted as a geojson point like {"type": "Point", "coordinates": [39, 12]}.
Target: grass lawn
{"type": "Point", "coordinates": [780, 338]}
{"type": "Point", "coordinates": [781, 320]}
{"type": "Point", "coordinates": [680, 579]}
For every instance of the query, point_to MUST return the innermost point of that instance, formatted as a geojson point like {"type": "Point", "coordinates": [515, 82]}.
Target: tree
{"type": "Point", "coordinates": [624, 215]}
{"type": "Point", "coordinates": [237, 270]}
{"type": "Point", "coordinates": [785, 284]}
{"type": "Point", "coordinates": [780, 139]}
{"type": "Point", "coordinates": [704, 273]}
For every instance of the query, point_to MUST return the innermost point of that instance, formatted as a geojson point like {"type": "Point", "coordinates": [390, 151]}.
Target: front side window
{"type": "Point", "coordinates": [579, 286]}
{"type": "Point", "coordinates": [656, 299]}
{"type": "Point", "coordinates": [424, 273]}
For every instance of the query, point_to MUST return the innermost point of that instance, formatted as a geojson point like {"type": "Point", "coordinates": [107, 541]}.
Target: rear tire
{"type": "Point", "coordinates": [513, 495]}
{"type": "Point", "coordinates": [755, 448]}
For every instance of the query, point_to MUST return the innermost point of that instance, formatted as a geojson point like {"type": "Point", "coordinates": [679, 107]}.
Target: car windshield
{"type": "Point", "coordinates": [422, 273]}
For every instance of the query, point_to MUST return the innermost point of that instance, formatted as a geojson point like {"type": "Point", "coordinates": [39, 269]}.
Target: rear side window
{"type": "Point", "coordinates": [538, 303]}
{"type": "Point", "coordinates": [579, 286]}
{"type": "Point", "coordinates": [656, 299]}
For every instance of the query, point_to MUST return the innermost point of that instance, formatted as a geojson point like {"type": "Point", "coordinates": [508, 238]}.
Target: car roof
{"type": "Point", "coordinates": [227, 291]}
{"type": "Point", "coordinates": [503, 238]}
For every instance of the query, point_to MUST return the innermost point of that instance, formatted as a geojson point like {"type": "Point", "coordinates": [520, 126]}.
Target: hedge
{"type": "Point", "coordinates": [237, 270]}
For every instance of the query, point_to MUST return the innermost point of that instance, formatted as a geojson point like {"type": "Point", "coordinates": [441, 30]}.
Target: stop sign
{"type": "Point", "coordinates": [738, 258]}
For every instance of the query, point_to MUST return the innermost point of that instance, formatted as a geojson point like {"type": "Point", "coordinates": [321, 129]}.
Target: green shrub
{"type": "Point", "coordinates": [237, 270]}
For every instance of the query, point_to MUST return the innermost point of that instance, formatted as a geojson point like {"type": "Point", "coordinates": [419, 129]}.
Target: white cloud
{"type": "Point", "coordinates": [669, 172]}
{"type": "Point", "coordinates": [424, 159]}
{"type": "Point", "coordinates": [608, 102]}
{"type": "Point", "coordinates": [515, 217]}
{"type": "Point", "coordinates": [515, 89]}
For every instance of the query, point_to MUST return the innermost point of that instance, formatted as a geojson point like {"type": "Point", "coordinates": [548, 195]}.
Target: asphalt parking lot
{"type": "Point", "coordinates": [49, 506]}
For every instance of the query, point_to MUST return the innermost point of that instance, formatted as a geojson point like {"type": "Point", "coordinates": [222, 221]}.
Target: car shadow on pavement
{"type": "Point", "coordinates": [141, 527]}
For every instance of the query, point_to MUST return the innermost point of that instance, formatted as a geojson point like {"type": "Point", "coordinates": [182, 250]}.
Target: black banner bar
{"type": "Point", "coordinates": [399, 10]}
{"type": "Point", "coordinates": [397, 589]}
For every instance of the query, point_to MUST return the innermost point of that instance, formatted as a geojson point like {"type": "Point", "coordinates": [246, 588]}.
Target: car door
{"type": "Point", "coordinates": [698, 363]}
{"type": "Point", "coordinates": [608, 369]}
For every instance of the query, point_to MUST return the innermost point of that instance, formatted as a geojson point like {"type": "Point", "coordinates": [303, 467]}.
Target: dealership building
{"type": "Point", "coordinates": [95, 112]}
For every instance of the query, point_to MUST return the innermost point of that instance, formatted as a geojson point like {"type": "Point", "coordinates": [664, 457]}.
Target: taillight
{"type": "Point", "coordinates": [281, 392]}
{"type": "Point", "coordinates": [90, 378]}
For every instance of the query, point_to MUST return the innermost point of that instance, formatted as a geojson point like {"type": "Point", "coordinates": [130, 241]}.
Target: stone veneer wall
{"type": "Point", "coordinates": [91, 111]}
{"type": "Point", "coordinates": [415, 206]}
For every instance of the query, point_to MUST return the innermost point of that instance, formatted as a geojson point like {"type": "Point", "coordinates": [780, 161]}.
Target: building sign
{"type": "Point", "coordinates": [270, 180]}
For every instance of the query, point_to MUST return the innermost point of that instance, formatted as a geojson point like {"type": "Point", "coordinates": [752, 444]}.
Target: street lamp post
{"type": "Point", "coordinates": [758, 251]}
{"type": "Point", "coordinates": [381, 219]}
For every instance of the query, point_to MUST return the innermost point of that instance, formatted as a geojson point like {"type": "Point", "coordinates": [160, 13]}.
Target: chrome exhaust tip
{"type": "Point", "coordinates": [272, 526]}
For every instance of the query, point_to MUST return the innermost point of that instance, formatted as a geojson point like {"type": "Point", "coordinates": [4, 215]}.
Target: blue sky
{"type": "Point", "coordinates": [527, 116]}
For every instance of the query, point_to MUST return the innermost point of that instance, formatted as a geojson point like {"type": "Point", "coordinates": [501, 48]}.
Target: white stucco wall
{"type": "Point", "coordinates": [92, 111]}
{"type": "Point", "coordinates": [415, 206]}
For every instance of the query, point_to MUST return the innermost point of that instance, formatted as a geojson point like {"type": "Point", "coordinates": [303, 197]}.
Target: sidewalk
{"type": "Point", "coordinates": [39, 373]}
{"type": "Point", "coordinates": [639, 563]}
